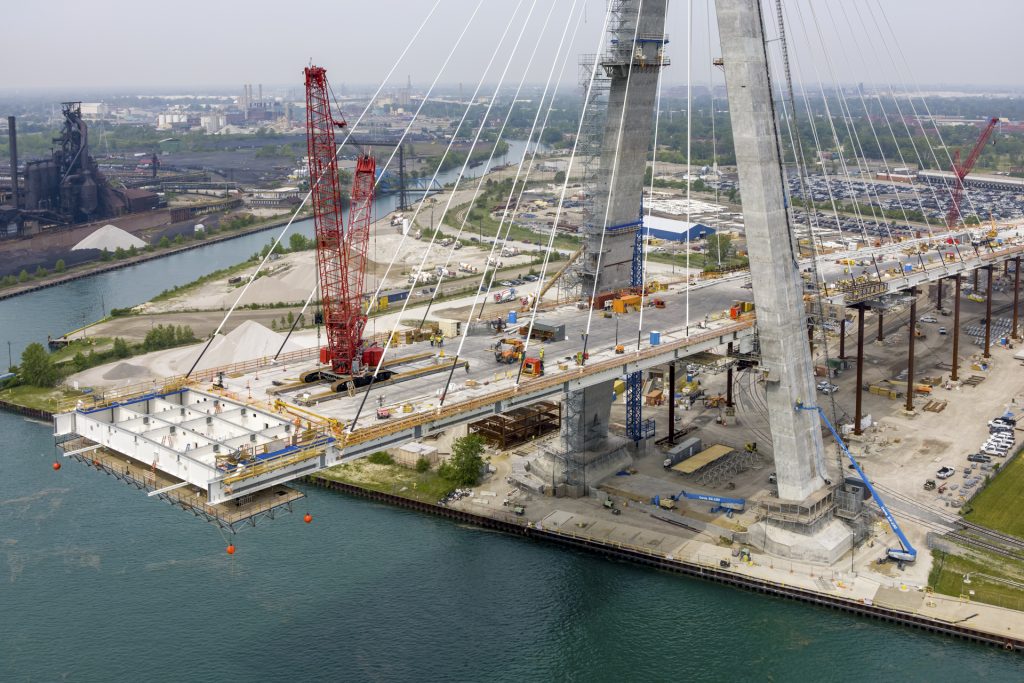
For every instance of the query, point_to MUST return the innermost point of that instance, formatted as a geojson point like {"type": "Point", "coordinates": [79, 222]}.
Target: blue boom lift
{"type": "Point", "coordinates": [726, 505]}
{"type": "Point", "coordinates": [905, 554]}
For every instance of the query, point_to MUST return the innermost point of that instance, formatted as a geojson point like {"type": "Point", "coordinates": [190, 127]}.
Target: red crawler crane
{"type": "Point", "coordinates": [960, 172]}
{"type": "Point", "coordinates": [340, 254]}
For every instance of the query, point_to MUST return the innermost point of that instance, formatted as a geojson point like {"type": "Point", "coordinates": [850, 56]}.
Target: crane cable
{"type": "Point", "coordinates": [568, 174]}
{"type": "Point", "coordinates": [451, 196]}
{"type": "Point", "coordinates": [481, 293]}
{"type": "Point", "coordinates": [645, 240]}
{"type": "Point", "coordinates": [451, 143]}
{"type": "Point", "coordinates": [611, 185]}
{"type": "Point", "coordinates": [910, 137]}
{"type": "Point", "coordinates": [487, 166]}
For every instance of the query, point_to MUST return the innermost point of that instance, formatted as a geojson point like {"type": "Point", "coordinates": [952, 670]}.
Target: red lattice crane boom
{"type": "Point", "coordinates": [340, 253]}
{"type": "Point", "coordinates": [960, 172]}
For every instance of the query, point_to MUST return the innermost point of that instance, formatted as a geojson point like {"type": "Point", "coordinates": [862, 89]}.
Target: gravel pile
{"type": "Point", "coordinates": [109, 237]}
{"type": "Point", "coordinates": [247, 341]}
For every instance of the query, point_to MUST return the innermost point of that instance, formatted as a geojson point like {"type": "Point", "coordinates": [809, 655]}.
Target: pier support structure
{"type": "Point", "coordinates": [955, 362]}
{"type": "Point", "coordinates": [988, 313]}
{"type": "Point", "coordinates": [910, 352]}
{"type": "Point", "coordinates": [858, 410]}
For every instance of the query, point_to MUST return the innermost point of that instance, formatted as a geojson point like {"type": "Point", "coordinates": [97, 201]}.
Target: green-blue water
{"type": "Point", "coordinates": [99, 583]}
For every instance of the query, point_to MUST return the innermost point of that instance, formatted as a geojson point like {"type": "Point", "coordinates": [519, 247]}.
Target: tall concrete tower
{"type": "Point", "coordinates": [777, 287]}
{"type": "Point", "coordinates": [632, 61]}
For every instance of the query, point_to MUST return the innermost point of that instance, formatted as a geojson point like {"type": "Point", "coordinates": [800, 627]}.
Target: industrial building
{"type": "Point", "coordinates": [68, 187]}
{"type": "Point", "coordinates": [675, 230]}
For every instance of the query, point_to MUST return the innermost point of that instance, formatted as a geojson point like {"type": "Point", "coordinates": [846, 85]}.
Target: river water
{"type": "Point", "coordinates": [100, 583]}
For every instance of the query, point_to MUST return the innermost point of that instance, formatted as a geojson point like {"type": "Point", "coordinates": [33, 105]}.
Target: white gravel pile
{"type": "Point", "coordinates": [292, 284]}
{"type": "Point", "coordinates": [247, 341]}
{"type": "Point", "coordinates": [125, 370]}
{"type": "Point", "coordinates": [109, 237]}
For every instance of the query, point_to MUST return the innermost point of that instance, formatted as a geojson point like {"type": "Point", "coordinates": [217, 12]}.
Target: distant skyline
{"type": "Point", "coordinates": [201, 46]}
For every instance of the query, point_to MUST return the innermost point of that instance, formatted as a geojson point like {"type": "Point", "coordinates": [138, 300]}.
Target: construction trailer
{"type": "Point", "coordinates": [518, 426]}
{"type": "Point", "coordinates": [544, 332]}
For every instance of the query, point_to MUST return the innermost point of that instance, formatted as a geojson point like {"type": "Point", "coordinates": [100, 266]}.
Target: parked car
{"type": "Point", "coordinates": [530, 278]}
{"type": "Point", "coordinates": [942, 330]}
{"type": "Point", "coordinates": [979, 457]}
{"type": "Point", "coordinates": [928, 319]}
{"type": "Point", "coordinates": [945, 472]}
{"type": "Point", "coordinates": [826, 387]}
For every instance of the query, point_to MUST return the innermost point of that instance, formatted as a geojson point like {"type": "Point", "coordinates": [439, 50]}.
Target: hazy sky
{"type": "Point", "coordinates": [174, 46]}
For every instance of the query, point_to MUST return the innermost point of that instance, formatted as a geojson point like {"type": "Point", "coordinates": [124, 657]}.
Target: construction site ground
{"type": "Point", "coordinates": [900, 451]}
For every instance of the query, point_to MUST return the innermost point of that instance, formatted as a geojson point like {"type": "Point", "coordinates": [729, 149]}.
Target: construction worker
{"type": "Point", "coordinates": [540, 354]}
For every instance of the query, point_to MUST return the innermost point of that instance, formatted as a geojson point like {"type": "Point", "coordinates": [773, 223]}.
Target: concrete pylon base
{"type": "Point", "coordinates": [572, 475]}
{"type": "Point", "coordinates": [824, 542]}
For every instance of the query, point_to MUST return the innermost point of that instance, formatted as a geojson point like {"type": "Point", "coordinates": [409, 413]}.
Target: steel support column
{"type": "Point", "coordinates": [975, 280]}
{"type": "Point", "coordinates": [857, 413]}
{"type": "Point", "coordinates": [988, 313]}
{"type": "Point", "coordinates": [938, 293]}
{"type": "Point", "coordinates": [1016, 294]}
{"type": "Point", "coordinates": [910, 354]}
{"type": "Point", "coordinates": [672, 403]}
{"type": "Point", "coordinates": [881, 330]}
{"type": "Point", "coordinates": [956, 328]}
{"type": "Point", "coordinates": [728, 379]}
{"type": "Point", "coordinates": [842, 339]}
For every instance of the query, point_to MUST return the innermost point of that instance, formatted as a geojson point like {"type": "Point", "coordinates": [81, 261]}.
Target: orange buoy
{"type": "Point", "coordinates": [308, 518]}
{"type": "Point", "coordinates": [56, 465]}
{"type": "Point", "coordinates": [231, 549]}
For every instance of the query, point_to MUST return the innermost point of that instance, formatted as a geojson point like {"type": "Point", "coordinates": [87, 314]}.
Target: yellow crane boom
{"type": "Point", "coordinates": [561, 271]}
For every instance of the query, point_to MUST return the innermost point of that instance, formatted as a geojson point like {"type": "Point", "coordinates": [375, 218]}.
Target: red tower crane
{"type": "Point", "coordinates": [960, 172]}
{"type": "Point", "coordinates": [340, 253]}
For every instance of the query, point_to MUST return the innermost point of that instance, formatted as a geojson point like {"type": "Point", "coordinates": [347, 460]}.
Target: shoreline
{"type": "Point", "coordinates": [648, 559]}
{"type": "Point", "coordinates": [677, 566]}
{"type": "Point", "coordinates": [99, 267]}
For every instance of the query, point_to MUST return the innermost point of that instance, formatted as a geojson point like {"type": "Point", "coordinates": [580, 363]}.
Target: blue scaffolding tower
{"type": "Point", "coordinates": [637, 428]}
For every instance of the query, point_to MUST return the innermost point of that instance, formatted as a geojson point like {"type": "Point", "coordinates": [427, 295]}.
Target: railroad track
{"type": "Point", "coordinates": [990, 547]}
{"type": "Point", "coordinates": [980, 537]}
{"type": "Point", "coordinates": [1006, 539]}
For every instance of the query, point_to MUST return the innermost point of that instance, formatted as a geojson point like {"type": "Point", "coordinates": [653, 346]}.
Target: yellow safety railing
{"type": "Point", "coordinates": [311, 448]}
{"type": "Point", "coordinates": [127, 393]}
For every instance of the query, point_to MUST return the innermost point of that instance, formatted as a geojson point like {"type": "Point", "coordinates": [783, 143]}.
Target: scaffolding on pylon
{"type": "Point", "coordinates": [588, 153]}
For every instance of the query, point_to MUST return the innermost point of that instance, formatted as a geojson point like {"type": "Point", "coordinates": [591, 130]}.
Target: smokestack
{"type": "Point", "coordinates": [261, 95]}
{"type": "Point", "coordinates": [12, 137]}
